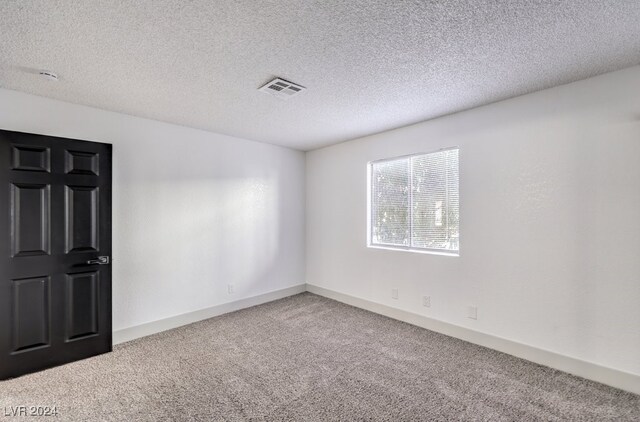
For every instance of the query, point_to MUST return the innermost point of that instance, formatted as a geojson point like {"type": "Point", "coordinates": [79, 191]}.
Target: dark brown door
{"type": "Point", "coordinates": [55, 248]}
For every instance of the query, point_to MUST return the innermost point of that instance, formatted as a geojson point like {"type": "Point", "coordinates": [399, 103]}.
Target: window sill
{"type": "Point", "coordinates": [415, 250]}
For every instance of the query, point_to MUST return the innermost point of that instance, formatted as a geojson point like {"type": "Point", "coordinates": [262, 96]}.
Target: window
{"type": "Point", "coordinates": [414, 202]}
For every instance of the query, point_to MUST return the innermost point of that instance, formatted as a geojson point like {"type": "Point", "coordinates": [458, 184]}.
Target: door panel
{"type": "Point", "coordinates": [78, 162]}
{"type": "Point", "coordinates": [30, 219]}
{"type": "Point", "coordinates": [31, 313]}
{"type": "Point", "coordinates": [55, 216]}
{"type": "Point", "coordinates": [81, 204]}
{"type": "Point", "coordinates": [30, 158]}
{"type": "Point", "coordinates": [82, 301]}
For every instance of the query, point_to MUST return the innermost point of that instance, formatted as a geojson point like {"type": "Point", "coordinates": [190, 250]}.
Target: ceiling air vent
{"type": "Point", "coordinates": [282, 89]}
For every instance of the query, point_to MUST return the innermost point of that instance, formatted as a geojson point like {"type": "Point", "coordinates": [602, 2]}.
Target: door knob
{"type": "Point", "coordinates": [102, 260]}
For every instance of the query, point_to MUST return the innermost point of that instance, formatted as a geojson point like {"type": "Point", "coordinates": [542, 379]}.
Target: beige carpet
{"type": "Point", "coordinates": [306, 358]}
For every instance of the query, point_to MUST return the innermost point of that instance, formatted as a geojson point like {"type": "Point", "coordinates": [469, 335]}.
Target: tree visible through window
{"type": "Point", "coordinates": [414, 202]}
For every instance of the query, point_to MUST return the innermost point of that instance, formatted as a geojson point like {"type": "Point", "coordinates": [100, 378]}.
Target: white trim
{"type": "Point", "coordinates": [442, 252]}
{"type": "Point", "coordinates": [613, 377]}
{"type": "Point", "coordinates": [369, 209]}
{"type": "Point", "coordinates": [143, 330]}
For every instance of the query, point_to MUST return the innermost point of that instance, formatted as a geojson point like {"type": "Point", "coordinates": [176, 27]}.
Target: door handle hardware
{"type": "Point", "coordinates": [102, 260]}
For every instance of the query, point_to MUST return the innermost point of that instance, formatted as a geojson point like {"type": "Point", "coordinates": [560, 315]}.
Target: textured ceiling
{"type": "Point", "coordinates": [369, 65]}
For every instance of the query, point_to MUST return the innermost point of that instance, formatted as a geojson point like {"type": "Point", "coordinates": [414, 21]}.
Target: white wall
{"type": "Point", "coordinates": [550, 221]}
{"type": "Point", "coordinates": [192, 210]}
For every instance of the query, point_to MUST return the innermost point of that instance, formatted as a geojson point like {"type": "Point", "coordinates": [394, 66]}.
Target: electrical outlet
{"type": "Point", "coordinates": [231, 289]}
{"type": "Point", "coordinates": [394, 293]}
{"type": "Point", "coordinates": [426, 301]}
{"type": "Point", "coordinates": [472, 312]}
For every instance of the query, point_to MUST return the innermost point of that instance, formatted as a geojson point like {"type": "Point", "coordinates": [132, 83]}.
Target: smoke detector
{"type": "Point", "coordinates": [282, 89]}
{"type": "Point", "coordinates": [50, 76]}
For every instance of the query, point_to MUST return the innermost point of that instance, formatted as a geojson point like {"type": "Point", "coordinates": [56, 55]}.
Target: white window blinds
{"type": "Point", "coordinates": [390, 203]}
{"type": "Point", "coordinates": [414, 202]}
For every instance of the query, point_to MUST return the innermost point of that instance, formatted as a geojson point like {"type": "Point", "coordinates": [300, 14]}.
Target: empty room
{"type": "Point", "coordinates": [365, 210]}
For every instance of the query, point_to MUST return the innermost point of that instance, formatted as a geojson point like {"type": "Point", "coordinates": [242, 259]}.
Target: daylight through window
{"type": "Point", "coordinates": [414, 202]}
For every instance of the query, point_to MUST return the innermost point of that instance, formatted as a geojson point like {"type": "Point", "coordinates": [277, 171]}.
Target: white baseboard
{"type": "Point", "coordinates": [132, 333]}
{"type": "Point", "coordinates": [613, 377]}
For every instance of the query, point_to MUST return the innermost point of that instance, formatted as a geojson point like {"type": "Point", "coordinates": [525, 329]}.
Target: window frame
{"type": "Point", "coordinates": [415, 249]}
